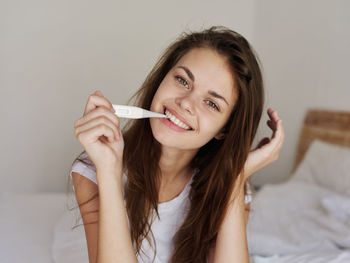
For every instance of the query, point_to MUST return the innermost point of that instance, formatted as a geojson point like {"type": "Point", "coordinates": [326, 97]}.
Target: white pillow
{"type": "Point", "coordinates": [327, 165]}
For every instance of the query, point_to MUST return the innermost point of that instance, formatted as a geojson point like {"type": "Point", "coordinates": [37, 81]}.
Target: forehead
{"type": "Point", "coordinates": [211, 72]}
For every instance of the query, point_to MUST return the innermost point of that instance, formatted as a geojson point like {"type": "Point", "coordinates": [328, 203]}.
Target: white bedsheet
{"type": "Point", "coordinates": [69, 243]}
{"type": "Point", "coordinates": [309, 257]}
{"type": "Point", "coordinates": [298, 223]}
{"type": "Point", "coordinates": [290, 222]}
{"type": "Point", "coordinates": [26, 226]}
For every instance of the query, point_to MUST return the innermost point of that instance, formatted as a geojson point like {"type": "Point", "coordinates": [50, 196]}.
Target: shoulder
{"type": "Point", "coordinates": [84, 167]}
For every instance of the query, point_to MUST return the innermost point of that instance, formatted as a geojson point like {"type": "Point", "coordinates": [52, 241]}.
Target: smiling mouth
{"type": "Point", "coordinates": [176, 121]}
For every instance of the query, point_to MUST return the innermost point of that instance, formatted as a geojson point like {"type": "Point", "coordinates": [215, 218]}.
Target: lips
{"type": "Point", "coordinates": [177, 116]}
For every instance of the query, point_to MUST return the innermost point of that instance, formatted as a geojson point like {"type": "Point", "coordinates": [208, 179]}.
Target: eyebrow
{"type": "Point", "coordinates": [189, 73]}
{"type": "Point", "coordinates": [212, 93]}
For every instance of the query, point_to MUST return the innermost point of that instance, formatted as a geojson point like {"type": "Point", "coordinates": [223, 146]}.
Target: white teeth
{"type": "Point", "coordinates": [176, 120]}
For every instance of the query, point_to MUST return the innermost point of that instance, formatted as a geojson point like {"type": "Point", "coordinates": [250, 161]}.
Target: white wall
{"type": "Point", "coordinates": [54, 54]}
{"type": "Point", "coordinates": [304, 46]}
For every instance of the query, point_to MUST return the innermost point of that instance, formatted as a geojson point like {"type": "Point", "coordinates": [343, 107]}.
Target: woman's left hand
{"type": "Point", "coordinates": [268, 149]}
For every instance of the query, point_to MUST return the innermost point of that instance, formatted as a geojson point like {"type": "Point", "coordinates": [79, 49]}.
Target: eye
{"type": "Point", "coordinates": [212, 104]}
{"type": "Point", "coordinates": [182, 81]}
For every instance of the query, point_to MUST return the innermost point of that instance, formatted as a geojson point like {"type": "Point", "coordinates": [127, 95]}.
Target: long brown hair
{"type": "Point", "coordinates": [219, 162]}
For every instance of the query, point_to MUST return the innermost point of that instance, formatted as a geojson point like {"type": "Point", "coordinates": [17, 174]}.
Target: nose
{"type": "Point", "coordinates": [187, 103]}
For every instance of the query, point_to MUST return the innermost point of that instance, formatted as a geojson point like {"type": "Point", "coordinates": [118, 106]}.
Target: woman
{"type": "Point", "coordinates": [172, 190]}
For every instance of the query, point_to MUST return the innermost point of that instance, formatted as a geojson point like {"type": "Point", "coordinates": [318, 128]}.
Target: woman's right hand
{"type": "Point", "coordinates": [99, 133]}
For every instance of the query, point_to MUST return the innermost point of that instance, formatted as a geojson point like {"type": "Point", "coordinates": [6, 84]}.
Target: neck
{"type": "Point", "coordinates": [174, 164]}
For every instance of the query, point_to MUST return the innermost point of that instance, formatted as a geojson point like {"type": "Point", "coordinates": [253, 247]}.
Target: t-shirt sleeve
{"type": "Point", "coordinates": [84, 166]}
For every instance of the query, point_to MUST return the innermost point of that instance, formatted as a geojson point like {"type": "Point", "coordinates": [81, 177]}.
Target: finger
{"type": "Point", "coordinates": [270, 112]}
{"type": "Point", "coordinates": [101, 120]}
{"type": "Point", "coordinates": [278, 135]}
{"type": "Point", "coordinates": [99, 93]}
{"type": "Point", "coordinates": [98, 112]}
{"type": "Point", "coordinates": [94, 133]}
{"type": "Point", "coordinates": [276, 141]}
{"type": "Point", "coordinates": [271, 125]}
{"type": "Point", "coordinates": [273, 114]}
{"type": "Point", "coordinates": [281, 130]}
{"type": "Point", "coordinates": [96, 100]}
{"type": "Point", "coordinates": [277, 132]}
{"type": "Point", "coordinates": [274, 119]}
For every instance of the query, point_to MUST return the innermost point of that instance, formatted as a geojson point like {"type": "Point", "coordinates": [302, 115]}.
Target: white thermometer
{"type": "Point", "coordinates": [132, 112]}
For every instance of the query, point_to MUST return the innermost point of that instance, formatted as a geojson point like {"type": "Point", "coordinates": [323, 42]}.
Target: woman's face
{"type": "Point", "coordinates": [198, 94]}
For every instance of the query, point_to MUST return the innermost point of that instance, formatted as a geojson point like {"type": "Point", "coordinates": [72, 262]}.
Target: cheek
{"type": "Point", "coordinates": [154, 102]}
{"type": "Point", "coordinates": [211, 126]}
{"type": "Point", "coordinates": [156, 99]}
{"type": "Point", "coordinates": [163, 94]}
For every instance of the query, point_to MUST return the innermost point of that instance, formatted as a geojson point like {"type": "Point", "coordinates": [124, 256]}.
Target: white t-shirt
{"type": "Point", "coordinates": [172, 214]}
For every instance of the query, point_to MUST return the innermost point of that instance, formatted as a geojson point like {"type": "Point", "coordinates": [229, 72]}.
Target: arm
{"type": "Point", "coordinates": [114, 243]}
{"type": "Point", "coordinates": [85, 190]}
{"type": "Point", "coordinates": [231, 242]}
{"type": "Point", "coordinates": [99, 133]}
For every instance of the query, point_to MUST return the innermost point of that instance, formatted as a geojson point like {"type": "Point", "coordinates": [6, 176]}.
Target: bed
{"type": "Point", "coordinates": [307, 218]}
{"type": "Point", "coordinates": [26, 226]}
{"type": "Point", "coordinates": [41, 228]}
{"type": "Point", "coordinates": [308, 222]}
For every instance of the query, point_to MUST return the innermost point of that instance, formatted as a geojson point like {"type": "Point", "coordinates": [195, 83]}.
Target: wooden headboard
{"type": "Point", "coordinates": [326, 125]}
